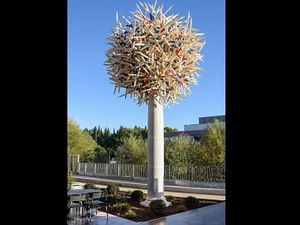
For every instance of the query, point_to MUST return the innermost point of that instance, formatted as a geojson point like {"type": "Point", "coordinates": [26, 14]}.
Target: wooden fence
{"type": "Point", "coordinates": [204, 174]}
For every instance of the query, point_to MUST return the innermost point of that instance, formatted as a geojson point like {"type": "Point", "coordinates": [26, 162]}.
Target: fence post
{"type": "Point", "coordinates": [71, 158]}
{"type": "Point", "coordinates": [118, 170]}
{"type": "Point", "coordinates": [106, 169]}
{"type": "Point", "coordinates": [85, 169]}
{"type": "Point", "coordinates": [68, 161]}
{"type": "Point", "coordinates": [77, 162]}
{"type": "Point", "coordinates": [95, 169]}
{"type": "Point", "coordinates": [133, 170]}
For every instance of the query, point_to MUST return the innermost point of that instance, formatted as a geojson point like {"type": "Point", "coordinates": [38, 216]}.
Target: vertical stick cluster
{"type": "Point", "coordinates": [153, 54]}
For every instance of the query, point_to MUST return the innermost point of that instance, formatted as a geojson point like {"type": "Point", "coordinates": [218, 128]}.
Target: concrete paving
{"type": "Point", "coordinates": [102, 219]}
{"type": "Point", "coordinates": [139, 185]}
{"type": "Point", "coordinates": [175, 194]}
{"type": "Point", "coordinates": [209, 215]}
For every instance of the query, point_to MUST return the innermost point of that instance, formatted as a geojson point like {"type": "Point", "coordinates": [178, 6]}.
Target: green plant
{"type": "Point", "coordinates": [137, 195]}
{"type": "Point", "coordinates": [111, 200]}
{"type": "Point", "coordinates": [79, 141]}
{"type": "Point", "coordinates": [174, 200]}
{"type": "Point", "coordinates": [170, 198]}
{"type": "Point", "coordinates": [130, 214]}
{"type": "Point", "coordinates": [133, 150]}
{"type": "Point", "coordinates": [181, 208]}
{"type": "Point", "coordinates": [121, 198]}
{"type": "Point", "coordinates": [191, 202]}
{"type": "Point", "coordinates": [121, 207]}
{"type": "Point", "coordinates": [178, 201]}
{"type": "Point", "coordinates": [112, 189]}
{"type": "Point", "coordinates": [89, 186]}
{"type": "Point", "coordinates": [158, 207]}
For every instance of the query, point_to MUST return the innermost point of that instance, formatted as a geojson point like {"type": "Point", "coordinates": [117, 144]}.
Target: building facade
{"type": "Point", "coordinates": [196, 131]}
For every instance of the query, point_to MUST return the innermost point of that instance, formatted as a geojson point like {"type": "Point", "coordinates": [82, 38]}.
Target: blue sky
{"type": "Point", "coordinates": [91, 101]}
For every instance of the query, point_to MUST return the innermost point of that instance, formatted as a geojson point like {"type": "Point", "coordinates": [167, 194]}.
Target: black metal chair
{"type": "Point", "coordinates": [75, 201]}
{"type": "Point", "coordinates": [93, 201]}
{"type": "Point", "coordinates": [104, 199]}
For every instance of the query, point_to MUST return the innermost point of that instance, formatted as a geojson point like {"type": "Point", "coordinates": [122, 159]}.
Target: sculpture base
{"type": "Point", "coordinates": [147, 202]}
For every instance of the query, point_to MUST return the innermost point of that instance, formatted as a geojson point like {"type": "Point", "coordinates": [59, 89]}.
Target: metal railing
{"type": "Point", "coordinates": [204, 174]}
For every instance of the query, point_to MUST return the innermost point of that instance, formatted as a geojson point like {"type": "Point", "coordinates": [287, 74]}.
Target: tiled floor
{"type": "Point", "coordinates": [210, 215]}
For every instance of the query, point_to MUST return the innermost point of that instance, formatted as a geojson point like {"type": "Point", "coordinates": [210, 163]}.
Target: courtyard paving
{"type": "Point", "coordinates": [175, 194]}
{"type": "Point", "coordinates": [209, 215]}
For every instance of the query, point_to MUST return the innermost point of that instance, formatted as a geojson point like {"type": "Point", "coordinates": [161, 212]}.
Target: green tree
{"type": "Point", "coordinates": [80, 142]}
{"type": "Point", "coordinates": [101, 155]}
{"type": "Point", "coordinates": [213, 145]}
{"type": "Point", "coordinates": [179, 151]}
{"type": "Point", "coordinates": [170, 129]}
{"type": "Point", "coordinates": [133, 150]}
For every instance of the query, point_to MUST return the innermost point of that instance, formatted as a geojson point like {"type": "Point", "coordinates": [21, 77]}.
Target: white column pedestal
{"type": "Point", "coordinates": [155, 170]}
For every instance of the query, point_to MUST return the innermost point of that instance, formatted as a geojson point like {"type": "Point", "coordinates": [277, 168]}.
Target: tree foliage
{"type": "Point", "coordinates": [111, 141]}
{"type": "Point", "coordinates": [213, 145]}
{"type": "Point", "coordinates": [79, 142]}
{"type": "Point", "coordinates": [170, 129]}
{"type": "Point", "coordinates": [129, 145]}
{"type": "Point", "coordinates": [101, 155]}
{"type": "Point", "coordinates": [133, 150]}
{"type": "Point", "coordinates": [179, 151]}
{"type": "Point", "coordinates": [209, 151]}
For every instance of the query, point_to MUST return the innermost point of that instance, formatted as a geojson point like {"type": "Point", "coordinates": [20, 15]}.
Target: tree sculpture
{"type": "Point", "coordinates": [154, 57]}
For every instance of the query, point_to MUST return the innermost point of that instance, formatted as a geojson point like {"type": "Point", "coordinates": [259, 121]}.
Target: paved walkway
{"type": "Point", "coordinates": [209, 215]}
{"type": "Point", "coordinates": [138, 185]}
{"type": "Point", "coordinates": [175, 194]}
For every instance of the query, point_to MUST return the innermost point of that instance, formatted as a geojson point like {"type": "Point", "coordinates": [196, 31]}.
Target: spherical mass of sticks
{"type": "Point", "coordinates": [153, 54]}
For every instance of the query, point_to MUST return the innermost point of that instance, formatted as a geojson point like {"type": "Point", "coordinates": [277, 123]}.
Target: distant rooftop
{"type": "Point", "coordinates": [210, 119]}
{"type": "Point", "coordinates": [184, 133]}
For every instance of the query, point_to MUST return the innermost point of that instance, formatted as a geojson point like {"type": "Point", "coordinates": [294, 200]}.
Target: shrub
{"type": "Point", "coordinates": [169, 198]}
{"type": "Point", "coordinates": [191, 202]}
{"type": "Point", "coordinates": [130, 214]}
{"type": "Point", "coordinates": [178, 201]}
{"type": "Point", "coordinates": [181, 208]}
{"type": "Point", "coordinates": [174, 200]}
{"type": "Point", "coordinates": [158, 207]}
{"type": "Point", "coordinates": [137, 195]}
{"type": "Point", "coordinates": [121, 198]}
{"type": "Point", "coordinates": [111, 200]}
{"type": "Point", "coordinates": [121, 207]}
{"type": "Point", "coordinates": [89, 186]}
{"type": "Point", "coordinates": [112, 189]}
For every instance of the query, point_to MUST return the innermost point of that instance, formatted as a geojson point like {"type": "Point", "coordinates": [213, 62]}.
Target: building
{"type": "Point", "coordinates": [203, 123]}
{"type": "Point", "coordinates": [195, 131]}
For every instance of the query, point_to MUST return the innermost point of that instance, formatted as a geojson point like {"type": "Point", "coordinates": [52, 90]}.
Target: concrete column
{"type": "Point", "coordinates": [155, 167]}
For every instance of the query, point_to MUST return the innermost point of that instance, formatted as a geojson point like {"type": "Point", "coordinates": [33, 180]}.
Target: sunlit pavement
{"type": "Point", "coordinates": [173, 193]}
{"type": "Point", "coordinates": [209, 215]}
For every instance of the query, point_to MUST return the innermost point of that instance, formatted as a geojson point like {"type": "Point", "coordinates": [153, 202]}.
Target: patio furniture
{"type": "Point", "coordinates": [96, 199]}
{"type": "Point", "coordinates": [75, 201]}
{"type": "Point", "coordinates": [76, 187]}
{"type": "Point", "coordinates": [89, 199]}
